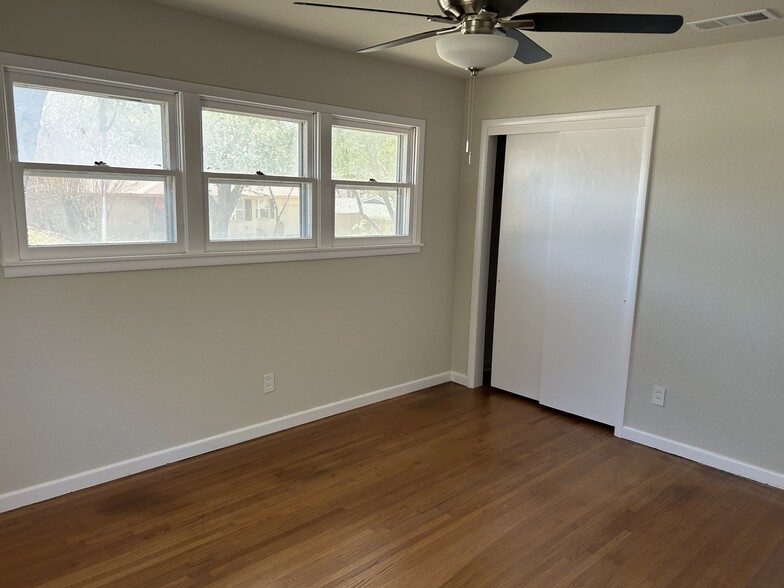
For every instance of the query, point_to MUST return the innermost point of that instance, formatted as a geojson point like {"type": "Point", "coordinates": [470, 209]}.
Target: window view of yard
{"type": "Point", "coordinates": [237, 143]}
{"type": "Point", "coordinates": [58, 130]}
{"type": "Point", "coordinates": [361, 212]}
{"type": "Point", "coordinates": [369, 156]}
{"type": "Point", "coordinates": [258, 211]}
{"type": "Point", "coordinates": [77, 209]}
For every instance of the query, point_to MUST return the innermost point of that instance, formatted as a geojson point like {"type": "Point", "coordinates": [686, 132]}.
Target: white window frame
{"type": "Point", "coordinates": [407, 170]}
{"type": "Point", "coordinates": [193, 248]}
{"type": "Point", "coordinates": [307, 178]}
{"type": "Point", "coordinates": [171, 171]}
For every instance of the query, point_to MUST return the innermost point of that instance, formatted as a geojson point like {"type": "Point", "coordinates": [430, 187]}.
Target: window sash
{"type": "Point", "coordinates": [407, 158]}
{"type": "Point", "coordinates": [307, 222]}
{"type": "Point", "coordinates": [47, 80]}
{"type": "Point", "coordinates": [404, 226]}
{"type": "Point", "coordinates": [307, 139]}
{"type": "Point", "coordinates": [101, 249]}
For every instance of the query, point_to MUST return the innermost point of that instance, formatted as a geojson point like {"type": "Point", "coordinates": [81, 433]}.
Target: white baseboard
{"type": "Point", "coordinates": [714, 460]}
{"type": "Point", "coordinates": [39, 492]}
{"type": "Point", "coordinates": [459, 378]}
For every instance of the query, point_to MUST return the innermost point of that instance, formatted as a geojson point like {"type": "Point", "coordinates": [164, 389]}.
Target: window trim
{"type": "Point", "coordinates": [192, 222]}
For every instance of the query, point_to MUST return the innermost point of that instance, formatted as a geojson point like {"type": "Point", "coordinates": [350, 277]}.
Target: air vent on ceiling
{"type": "Point", "coordinates": [732, 20]}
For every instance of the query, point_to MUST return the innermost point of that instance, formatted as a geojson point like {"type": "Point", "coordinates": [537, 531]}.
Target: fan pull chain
{"type": "Point", "coordinates": [470, 109]}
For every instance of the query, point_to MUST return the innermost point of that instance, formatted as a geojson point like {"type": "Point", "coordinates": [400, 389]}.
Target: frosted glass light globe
{"type": "Point", "coordinates": [475, 51]}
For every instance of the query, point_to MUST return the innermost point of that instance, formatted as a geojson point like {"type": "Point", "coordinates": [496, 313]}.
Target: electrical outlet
{"type": "Point", "coordinates": [658, 395]}
{"type": "Point", "coordinates": [269, 383]}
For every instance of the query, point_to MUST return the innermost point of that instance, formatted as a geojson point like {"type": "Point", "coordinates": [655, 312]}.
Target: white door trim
{"type": "Point", "coordinates": [626, 117]}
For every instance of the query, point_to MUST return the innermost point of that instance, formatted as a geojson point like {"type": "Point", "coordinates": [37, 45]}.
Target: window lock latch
{"type": "Point", "coordinates": [102, 163]}
{"type": "Point", "coordinates": [372, 180]}
{"type": "Point", "coordinates": [260, 173]}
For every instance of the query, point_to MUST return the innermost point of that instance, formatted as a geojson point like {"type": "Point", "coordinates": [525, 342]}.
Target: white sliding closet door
{"type": "Point", "coordinates": [523, 252]}
{"type": "Point", "coordinates": [567, 267]}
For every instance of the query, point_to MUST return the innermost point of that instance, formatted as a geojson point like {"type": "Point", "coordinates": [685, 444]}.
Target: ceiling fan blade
{"type": "Point", "coordinates": [587, 22]}
{"type": "Point", "coordinates": [528, 51]}
{"type": "Point", "coordinates": [430, 17]}
{"type": "Point", "coordinates": [409, 39]}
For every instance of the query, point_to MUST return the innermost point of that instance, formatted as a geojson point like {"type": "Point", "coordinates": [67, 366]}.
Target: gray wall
{"type": "Point", "coordinates": [95, 369]}
{"type": "Point", "coordinates": [710, 313]}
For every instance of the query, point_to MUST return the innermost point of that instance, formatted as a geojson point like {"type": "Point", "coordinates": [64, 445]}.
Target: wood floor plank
{"type": "Point", "coordinates": [442, 487]}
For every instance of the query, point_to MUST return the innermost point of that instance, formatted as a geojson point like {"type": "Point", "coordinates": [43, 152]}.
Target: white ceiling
{"type": "Point", "coordinates": [350, 31]}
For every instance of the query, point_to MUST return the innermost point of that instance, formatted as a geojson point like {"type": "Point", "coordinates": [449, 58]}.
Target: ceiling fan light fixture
{"type": "Point", "coordinates": [475, 51]}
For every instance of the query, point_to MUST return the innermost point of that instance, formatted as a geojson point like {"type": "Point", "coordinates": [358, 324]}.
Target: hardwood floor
{"type": "Point", "coordinates": [443, 487]}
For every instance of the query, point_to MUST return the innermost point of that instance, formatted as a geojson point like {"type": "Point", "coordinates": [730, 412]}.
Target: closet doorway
{"type": "Point", "coordinates": [568, 250]}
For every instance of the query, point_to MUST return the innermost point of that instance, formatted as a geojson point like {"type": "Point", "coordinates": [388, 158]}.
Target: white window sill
{"type": "Point", "coordinates": [19, 269]}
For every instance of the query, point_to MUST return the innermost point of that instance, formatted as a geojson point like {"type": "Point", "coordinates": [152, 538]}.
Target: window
{"type": "Point", "coordinates": [104, 171]}
{"type": "Point", "coordinates": [371, 170]}
{"type": "Point", "coordinates": [92, 167]}
{"type": "Point", "coordinates": [250, 157]}
{"type": "Point", "coordinates": [263, 209]}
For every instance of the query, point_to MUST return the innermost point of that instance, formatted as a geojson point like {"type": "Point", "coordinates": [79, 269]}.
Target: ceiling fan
{"type": "Point", "coordinates": [491, 32]}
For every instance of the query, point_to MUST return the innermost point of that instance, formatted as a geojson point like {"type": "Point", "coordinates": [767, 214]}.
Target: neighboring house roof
{"type": "Point", "coordinates": [350, 206]}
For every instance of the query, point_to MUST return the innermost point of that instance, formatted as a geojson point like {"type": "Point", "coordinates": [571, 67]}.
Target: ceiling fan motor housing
{"type": "Point", "coordinates": [457, 8]}
{"type": "Point", "coordinates": [460, 8]}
